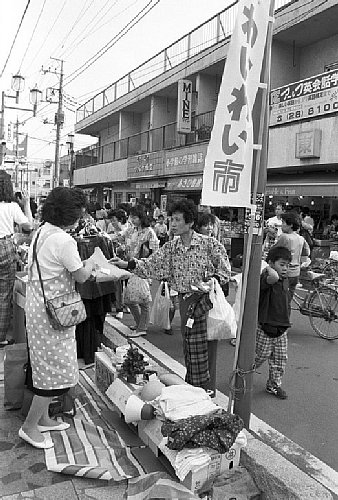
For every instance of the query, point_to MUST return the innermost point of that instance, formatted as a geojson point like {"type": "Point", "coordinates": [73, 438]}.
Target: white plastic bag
{"type": "Point", "coordinates": [105, 270]}
{"type": "Point", "coordinates": [137, 291]}
{"type": "Point", "coordinates": [221, 322]}
{"type": "Point", "coordinates": [159, 315]}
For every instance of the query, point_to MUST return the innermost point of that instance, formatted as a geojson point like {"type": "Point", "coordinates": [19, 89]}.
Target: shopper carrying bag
{"type": "Point", "coordinates": [65, 310]}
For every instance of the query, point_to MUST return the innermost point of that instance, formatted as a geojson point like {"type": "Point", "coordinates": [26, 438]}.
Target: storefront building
{"type": "Point", "coordinates": [146, 150]}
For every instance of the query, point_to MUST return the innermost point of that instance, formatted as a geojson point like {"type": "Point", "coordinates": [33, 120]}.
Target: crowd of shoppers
{"type": "Point", "coordinates": [181, 248]}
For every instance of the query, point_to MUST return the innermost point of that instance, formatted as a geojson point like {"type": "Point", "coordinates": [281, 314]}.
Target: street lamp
{"type": "Point", "coordinates": [34, 98]}
{"type": "Point", "coordinates": [18, 85]}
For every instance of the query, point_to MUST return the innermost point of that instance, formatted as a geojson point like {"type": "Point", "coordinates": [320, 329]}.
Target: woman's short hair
{"type": "Point", "coordinates": [119, 214]}
{"type": "Point", "coordinates": [292, 219]}
{"type": "Point", "coordinates": [6, 187]}
{"type": "Point", "coordinates": [63, 206]}
{"type": "Point", "coordinates": [138, 211]}
{"type": "Point", "coordinates": [185, 207]}
{"type": "Point", "coordinates": [205, 219]}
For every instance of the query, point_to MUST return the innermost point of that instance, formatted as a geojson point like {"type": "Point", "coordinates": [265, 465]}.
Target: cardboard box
{"type": "Point", "coordinates": [150, 433]}
{"type": "Point", "coordinates": [219, 464]}
{"type": "Point", "coordinates": [118, 392]}
{"type": "Point", "coordinates": [104, 371]}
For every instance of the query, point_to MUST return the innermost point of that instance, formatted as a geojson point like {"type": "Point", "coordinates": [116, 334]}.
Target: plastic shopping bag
{"type": "Point", "coordinates": [105, 270]}
{"type": "Point", "coordinates": [159, 315]}
{"type": "Point", "coordinates": [15, 362]}
{"type": "Point", "coordinates": [221, 322]}
{"type": "Point", "coordinates": [137, 290]}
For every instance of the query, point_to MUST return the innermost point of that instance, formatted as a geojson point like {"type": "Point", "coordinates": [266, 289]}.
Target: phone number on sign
{"type": "Point", "coordinates": [289, 114]}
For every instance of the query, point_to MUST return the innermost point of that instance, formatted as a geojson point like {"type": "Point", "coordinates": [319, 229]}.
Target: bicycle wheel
{"type": "Point", "coordinates": [331, 269]}
{"type": "Point", "coordinates": [323, 312]}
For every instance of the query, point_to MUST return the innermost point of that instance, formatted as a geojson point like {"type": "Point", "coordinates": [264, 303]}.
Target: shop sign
{"type": "Point", "coordinates": [143, 164]}
{"type": "Point", "coordinates": [184, 103]}
{"type": "Point", "coordinates": [185, 183]}
{"type": "Point", "coordinates": [281, 190]}
{"type": "Point", "coordinates": [307, 98]}
{"type": "Point", "coordinates": [308, 144]}
{"type": "Point", "coordinates": [186, 159]}
{"type": "Point", "coordinates": [149, 164]}
{"type": "Point", "coordinates": [163, 205]}
{"type": "Point", "coordinates": [149, 185]}
{"type": "Point", "coordinates": [258, 218]}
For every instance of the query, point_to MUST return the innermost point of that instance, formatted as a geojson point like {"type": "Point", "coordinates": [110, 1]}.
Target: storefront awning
{"type": "Point", "coordinates": [192, 183]}
{"type": "Point", "coordinates": [313, 187]}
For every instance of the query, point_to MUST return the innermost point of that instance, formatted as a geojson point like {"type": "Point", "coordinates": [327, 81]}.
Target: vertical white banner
{"type": "Point", "coordinates": [184, 103]}
{"type": "Point", "coordinates": [228, 163]}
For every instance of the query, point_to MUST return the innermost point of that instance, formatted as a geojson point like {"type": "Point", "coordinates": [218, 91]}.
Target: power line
{"type": "Point", "coordinates": [16, 34]}
{"type": "Point", "coordinates": [50, 31]}
{"type": "Point", "coordinates": [31, 38]}
{"type": "Point", "coordinates": [112, 42]}
{"type": "Point", "coordinates": [79, 17]}
{"type": "Point", "coordinates": [72, 46]}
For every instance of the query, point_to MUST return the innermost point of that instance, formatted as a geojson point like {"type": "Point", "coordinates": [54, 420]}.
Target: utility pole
{"type": "Point", "coordinates": [16, 151]}
{"type": "Point", "coordinates": [2, 130]}
{"type": "Point", "coordinates": [59, 120]}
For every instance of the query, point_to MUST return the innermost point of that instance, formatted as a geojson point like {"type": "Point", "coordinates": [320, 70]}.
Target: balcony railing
{"type": "Point", "coordinates": [157, 139]}
{"type": "Point", "coordinates": [213, 31]}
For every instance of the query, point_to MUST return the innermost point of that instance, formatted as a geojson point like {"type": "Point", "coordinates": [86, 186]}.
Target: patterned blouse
{"type": "Point", "coordinates": [183, 267]}
{"type": "Point", "coordinates": [135, 237]}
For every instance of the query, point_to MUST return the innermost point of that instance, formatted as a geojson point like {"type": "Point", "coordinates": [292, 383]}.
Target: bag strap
{"type": "Point", "coordinates": [35, 258]}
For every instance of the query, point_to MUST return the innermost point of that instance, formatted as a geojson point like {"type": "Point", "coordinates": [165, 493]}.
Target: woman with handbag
{"type": "Point", "coordinates": [141, 241]}
{"type": "Point", "coordinates": [54, 265]}
{"type": "Point", "coordinates": [10, 214]}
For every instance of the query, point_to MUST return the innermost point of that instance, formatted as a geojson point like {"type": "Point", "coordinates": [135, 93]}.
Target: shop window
{"type": "Point", "coordinates": [117, 199]}
{"type": "Point", "coordinates": [130, 195]}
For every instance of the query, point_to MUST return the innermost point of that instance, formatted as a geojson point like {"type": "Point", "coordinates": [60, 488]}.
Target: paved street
{"type": "Point", "coordinates": [309, 415]}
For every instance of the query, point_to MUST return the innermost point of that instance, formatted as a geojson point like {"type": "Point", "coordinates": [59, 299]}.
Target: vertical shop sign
{"type": "Point", "coordinates": [164, 199]}
{"type": "Point", "coordinates": [184, 103]}
{"type": "Point", "coordinates": [228, 164]}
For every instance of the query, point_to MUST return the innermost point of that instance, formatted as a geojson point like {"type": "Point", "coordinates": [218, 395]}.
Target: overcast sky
{"type": "Point", "coordinates": [75, 30]}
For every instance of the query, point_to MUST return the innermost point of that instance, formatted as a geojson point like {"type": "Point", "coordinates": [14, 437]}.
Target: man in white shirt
{"type": "Point", "coordinates": [273, 229]}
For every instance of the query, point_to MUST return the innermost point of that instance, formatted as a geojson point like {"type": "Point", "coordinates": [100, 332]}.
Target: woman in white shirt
{"type": "Point", "coordinates": [10, 214]}
{"type": "Point", "coordinates": [53, 367]}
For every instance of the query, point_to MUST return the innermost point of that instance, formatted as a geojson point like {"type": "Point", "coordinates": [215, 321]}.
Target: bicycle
{"type": "Point", "coordinates": [331, 269]}
{"type": "Point", "coordinates": [320, 304]}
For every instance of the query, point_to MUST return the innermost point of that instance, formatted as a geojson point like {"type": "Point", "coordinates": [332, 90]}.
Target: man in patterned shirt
{"type": "Point", "coordinates": [187, 262]}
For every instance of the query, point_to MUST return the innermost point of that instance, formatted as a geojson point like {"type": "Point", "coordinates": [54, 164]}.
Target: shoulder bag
{"type": "Point", "coordinates": [63, 311]}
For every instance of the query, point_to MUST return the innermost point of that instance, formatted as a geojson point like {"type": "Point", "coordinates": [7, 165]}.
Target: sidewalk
{"type": "Point", "coordinates": [23, 472]}
{"type": "Point", "coordinates": [23, 469]}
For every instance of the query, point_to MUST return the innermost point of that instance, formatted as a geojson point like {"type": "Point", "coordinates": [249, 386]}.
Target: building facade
{"type": "Point", "coordinates": [142, 151]}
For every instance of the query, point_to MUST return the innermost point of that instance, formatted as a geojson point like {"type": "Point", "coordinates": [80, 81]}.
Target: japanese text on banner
{"type": "Point", "coordinates": [228, 163]}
